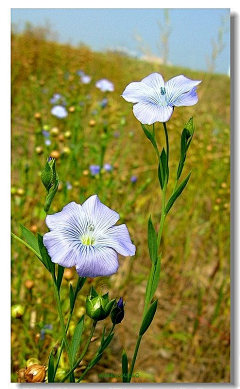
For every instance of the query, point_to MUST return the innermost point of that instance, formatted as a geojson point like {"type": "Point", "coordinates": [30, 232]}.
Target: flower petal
{"type": "Point", "coordinates": [70, 221]}
{"type": "Point", "coordinates": [61, 249]}
{"type": "Point", "coordinates": [177, 86]}
{"type": "Point", "coordinates": [148, 113]}
{"type": "Point", "coordinates": [154, 80]}
{"type": "Point", "coordinates": [118, 238]}
{"type": "Point", "coordinates": [97, 261]}
{"type": "Point", "coordinates": [187, 99]}
{"type": "Point", "coordinates": [99, 214]}
{"type": "Point", "coordinates": [135, 92]}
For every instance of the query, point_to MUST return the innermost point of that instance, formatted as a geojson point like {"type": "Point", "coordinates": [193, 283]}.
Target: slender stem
{"type": "Point", "coordinates": [64, 335]}
{"type": "Point", "coordinates": [67, 326]}
{"type": "Point", "coordinates": [134, 357]}
{"type": "Point", "coordinates": [26, 244]}
{"type": "Point", "coordinates": [90, 366]}
{"type": "Point", "coordinates": [83, 353]}
{"type": "Point", "coordinates": [167, 141]}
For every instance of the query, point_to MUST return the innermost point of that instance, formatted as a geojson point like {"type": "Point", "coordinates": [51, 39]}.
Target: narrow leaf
{"type": "Point", "coordinates": [51, 368]}
{"type": "Point", "coordinates": [76, 340]}
{"type": "Point", "coordinates": [45, 257]}
{"type": "Point", "coordinates": [71, 298]}
{"type": "Point", "coordinates": [152, 240]}
{"type": "Point", "coordinates": [186, 139]}
{"type": "Point", "coordinates": [80, 283]}
{"type": "Point", "coordinates": [30, 238]}
{"type": "Point", "coordinates": [153, 281]}
{"type": "Point", "coordinates": [147, 320]}
{"type": "Point", "coordinates": [150, 137]}
{"type": "Point", "coordinates": [59, 276]}
{"type": "Point", "coordinates": [124, 366]}
{"type": "Point", "coordinates": [176, 194]}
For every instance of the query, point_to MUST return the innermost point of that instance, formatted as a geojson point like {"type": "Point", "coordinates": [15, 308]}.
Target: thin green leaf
{"type": "Point", "coordinates": [45, 257]}
{"type": "Point", "coordinates": [80, 283]}
{"type": "Point", "coordinates": [71, 297]}
{"type": "Point", "coordinates": [176, 194]}
{"type": "Point", "coordinates": [76, 340]}
{"type": "Point", "coordinates": [30, 238]}
{"type": "Point", "coordinates": [26, 244]}
{"type": "Point", "coordinates": [150, 137]}
{"type": "Point", "coordinates": [153, 282]}
{"type": "Point", "coordinates": [147, 320]}
{"type": "Point", "coordinates": [59, 276]}
{"type": "Point", "coordinates": [124, 366]}
{"type": "Point", "coordinates": [152, 240]}
{"type": "Point", "coordinates": [51, 368]}
{"type": "Point", "coordinates": [186, 138]}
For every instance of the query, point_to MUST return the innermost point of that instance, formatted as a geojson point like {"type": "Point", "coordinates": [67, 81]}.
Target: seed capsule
{"type": "Point", "coordinates": [35, 373]}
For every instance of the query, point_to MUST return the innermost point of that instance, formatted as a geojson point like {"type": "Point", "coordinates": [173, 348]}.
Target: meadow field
{"type": "Point", "coordinates": [189, 339]}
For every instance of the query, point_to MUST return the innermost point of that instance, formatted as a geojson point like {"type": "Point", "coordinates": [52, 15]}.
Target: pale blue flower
{"type": "Point", "coordinates": [85, 236]}
{"type": "Point", "coordinates": [85, 79]}
{"type": "Point", "coordinates": [105, 85]}
{"type": "Point", "coordinates": [94, 169]}
{"type": "Point", "coordinates": [59, 111]}
{"type": "Point", "coordinates": [133, 179]}
{"type": "Point", "coordinates": [56, 98]}
{"type": "Point", "coordinates": [108, 167]}
{"type": "Point", "coordinates": [155, 99]}
{"type": "Point", "coordinates": [47, 142]}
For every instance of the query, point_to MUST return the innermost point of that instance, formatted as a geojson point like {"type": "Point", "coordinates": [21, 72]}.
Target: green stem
{"type": "Point", "coordinates": [90, 366]}
{"type": "Point", "coordinates": [83, 353]}
{"type": "Point", "coordinates": [25, 244]}
{"type": "Point", "coordinates": [134, 357]}
{"type": "Point", "coordinates": [67, 326]}
{"type": "Point", "coordinates": [64, 335]}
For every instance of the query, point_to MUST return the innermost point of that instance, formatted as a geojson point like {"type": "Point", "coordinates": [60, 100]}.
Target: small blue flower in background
{"type": "Point", "coordinates": [45, 133]}
{"type": "Point", "coordinates": [155, 98]}
{"type": "Point", "coordinates": [85, 236]}
{"type": "Point", "coordinates": [46, 329]}
{"type": "Point", "coordinates": [103, 103]}
{"type": "Point", "coordinates": [85, 79]}
{"type": "Point", "coordinates": [94, 169]}
{"type": "Point", "coordinates": [133, 179]}
{"type": "Point", "coordinates": [80, 73]}
{"type": "Point", "coordinates": [56, 98]}
{"type": "Point", "coordinates": [47, 142]}
{"type": "Point", "coordinates": [59, 111]}
{"type": "Point", "coordinates": [105, 85]}
{"type": "Point", "coordinates": [108, 167]}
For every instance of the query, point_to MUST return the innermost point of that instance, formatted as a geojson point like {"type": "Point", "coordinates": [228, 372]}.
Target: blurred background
{"type": "Point", "coordinates": [57, 57]}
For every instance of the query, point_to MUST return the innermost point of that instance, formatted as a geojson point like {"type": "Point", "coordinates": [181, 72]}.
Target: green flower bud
{"type": "Point", "coordinates": [48, 175]}
{"type": "Point", "coordinates": [98, 307]}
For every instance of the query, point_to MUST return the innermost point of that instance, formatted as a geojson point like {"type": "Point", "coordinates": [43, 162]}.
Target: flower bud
{"type": "Point", "coordinates": [17, 311]}
{"type": "Point", "coordinates": [29, 284]}
{"type": "Point", "coordinates": [35, 373]}
{"type": "Point", "coordinates": [98, 307]}
{"type": "Point", "coordinates": [117, 313]}
{"type": "Point", "coordinates": [48, 175]}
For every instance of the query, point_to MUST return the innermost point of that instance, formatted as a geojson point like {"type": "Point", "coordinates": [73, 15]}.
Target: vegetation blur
{"type": "Point", "coordinates": [189, 339]}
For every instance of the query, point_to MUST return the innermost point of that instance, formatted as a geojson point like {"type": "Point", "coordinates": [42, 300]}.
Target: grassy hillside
{"type": "Point", "coordinates": [189, 340]}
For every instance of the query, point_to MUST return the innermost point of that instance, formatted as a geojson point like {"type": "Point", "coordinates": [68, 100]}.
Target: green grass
{"type": "Point", "coordinates": [189, 338]}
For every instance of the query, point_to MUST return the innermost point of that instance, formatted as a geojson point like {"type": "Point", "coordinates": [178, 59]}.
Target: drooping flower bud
{"type": "Point", "coordinates": [35, 373]}
{"type": "Point", "coordinates": [117, 313]}
{"type": "Point", "coordinates": [98, 307]}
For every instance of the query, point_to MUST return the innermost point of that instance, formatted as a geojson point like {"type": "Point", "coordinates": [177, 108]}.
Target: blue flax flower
{"type": "Point", "coordinates": [85, 236]}
{"type": "Point", "coordinates": [105, 85]}
{"type": "Point", "coordinates": [108, 167]}
{"type": "Point", "coordinates": [59, 111]}
{"type": "Point", "coordinates": [94, 169]}
{"type": "Point", "coordinates": [155, 99]}
{"type": "Point", "coordinates": [85, 79]}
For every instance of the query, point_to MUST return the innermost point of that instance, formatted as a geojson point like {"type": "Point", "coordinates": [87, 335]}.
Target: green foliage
{"type": "Point", "coordinates": [147, 320]}
{"type": "Point", "coordinates": [76, 340]}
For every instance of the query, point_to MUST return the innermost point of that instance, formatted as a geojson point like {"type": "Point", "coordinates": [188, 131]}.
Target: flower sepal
{"type": "Point", "coordinates": [98, 307]}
